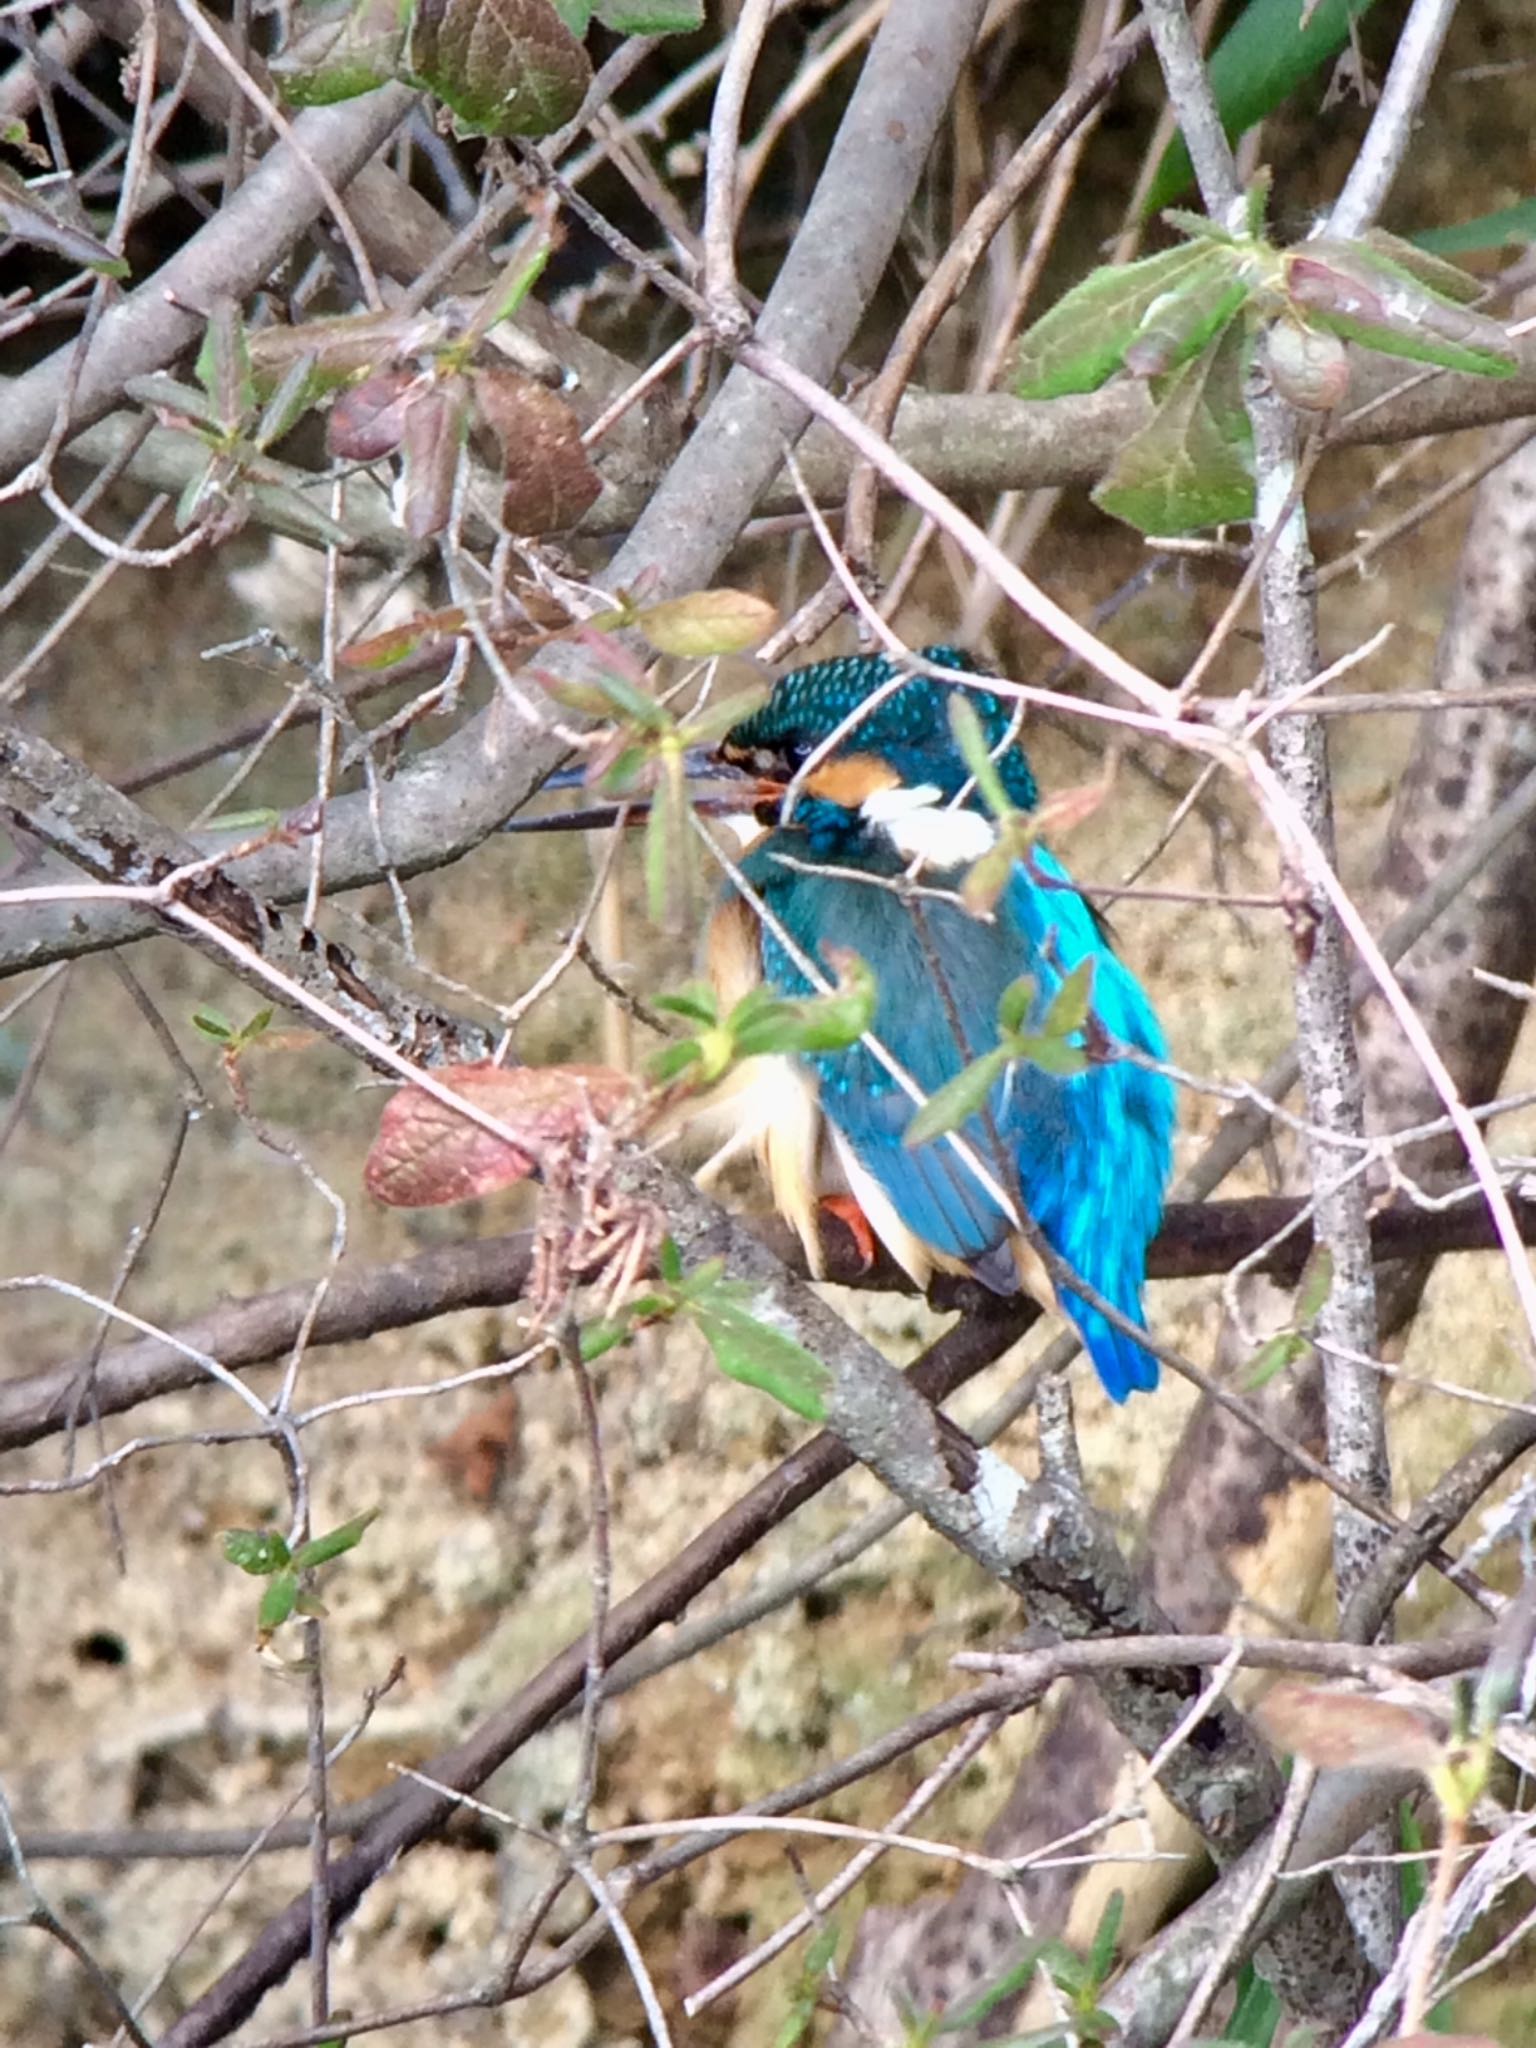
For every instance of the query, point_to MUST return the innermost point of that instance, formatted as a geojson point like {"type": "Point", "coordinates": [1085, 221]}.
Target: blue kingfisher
{"type": "Point", "coordinates": [889, 804]}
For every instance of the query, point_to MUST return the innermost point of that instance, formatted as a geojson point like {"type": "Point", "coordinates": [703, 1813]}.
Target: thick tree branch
{"type": "Point", "coordinates": [1197, 1238]}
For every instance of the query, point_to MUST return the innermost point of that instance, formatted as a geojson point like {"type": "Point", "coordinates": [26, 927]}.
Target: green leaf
{"type": "Point", "coordinates": [223, 366]}
{"type": "Point", "coordinates": [1191, 465]}
{"type": "Point", "coordinates": [670, 1061]}
{"type": "Point", "coordinates": [1273, 1357]}
{"type": "Point", "coordinates": [253, 1028]}
{"type": "Point", "coordinates": [1080, 343]}
{"type": "Point", "coordinates": [1018, 1001]}
{"type": "Point", "coordinates": [696, 1002]}
{"type": "Point", "coordinates": [666, 828]}
{"type": "Point", "coordinates": [321, 1549]}
{"type": "Point", "coordinates": [651, 17]}
{"type": "Point", "coordinates": [257, 1551]}
{"type": "Point", "coordinates": [752, 1351]}
{"type": "Point", "coordinates": [987, 880]}
{"type": "Point", "coordinates": [972, 741]}
{"type": "Point", "coordinates": [1496, 230]}
{"type": "Point", "coordinates": [597, 1339]}
{"type": "Point", "coordinates": [1415, 346]}
{"type": "Point", "coordinates": [347, 51]}
{"type": "Point", "coordinates": [1180, 324]}
{"type": "Point", "coordinates": [1257, 2013]}
{"type": "Point", "coordinates": [243, 821]}
{"type": "Point", "coordinates": [669, 1262]}
{"type": "Point", "coordinates": [1264, 56]}
{"type": "Point", "coordinates": [1054, 1056]}
{"type": "Point", "coordinates": [277, 1602]}
{"type": "Point", "coordinates": [504, 67]}
{"type": "Point", "coordinates": [213, 1024]}
{"type": "Point", "coordinates": [1446, 280]}
{"type": "Point", "coordinates": [1101, 1953]}
{"type": "Point", "coordinates": [576, 14]}
{"type": "Point", "coordinates": [297, 392]}
{"type": "Point", "coordinates": [1071, 1004]}
{"type": "Point", "coordinates": [166, 395]}
{"type": "Point", "coordinates": [193, 492]}
{"type": "Point", "coordinates": [27, 216]}
{"type": "Point", "coordinates": [961, 1098]}
{"type": "Point", "coordinates": [966, 2018]}
{"type": "Point", "coordinates": [1316, 1285]}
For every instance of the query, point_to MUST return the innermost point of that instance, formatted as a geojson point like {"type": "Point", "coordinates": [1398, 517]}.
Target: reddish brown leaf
{"type": "Point", "coordinates": [549, 481]}
{"type": "Point", "coordinates": [505, 67]}
{"type": "Point", "coordinates": [369, 420]}
{"type": "Point", "coordinates": [427, 1154]}
{"type": "Point", "coordinates": [423, 633]}
{"type": "Point", "coordinates": [475, 1456]}
{"type": "Point", "coordinates": [1344, 1730]}
{"type": "Point", "coordinates": [434, 434]}
{"type": "Point", "coordinates": [1065, 809]}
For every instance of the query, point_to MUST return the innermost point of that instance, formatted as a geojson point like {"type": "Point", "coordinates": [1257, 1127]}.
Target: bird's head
{"type": "Point", "coordinates": [892, 772]}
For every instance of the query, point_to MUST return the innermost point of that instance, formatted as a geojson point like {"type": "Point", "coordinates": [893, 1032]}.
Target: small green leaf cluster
{"type": "Point", "coordinates": [1079, 1980]}
{"type": "Point", "coordinates": [1193, 320]}
{"type": "Point", "coordinates": [728, 1315]}
{"type": "Point", "coordinates": [501, 67]}
{"type": "Point", "coordinates": [763, 1022]}
{"type": "Point", "coordinates": [232, 1039]}
{"type": "Point", "coordinates": [266, 1554]}
{"type": "Point", "coordinates": [645, 752]}
{"type": "Point", "coordinates": [1016, 830]}
{"type": "Point", "coordinates": [805, 1999]}
{"type": "Point", "coordinates": [1281, 1351]}
{"type": "Point", "coordinates": [1055, 1045]}
{"type": "Point", "coordinates": [236, 425]}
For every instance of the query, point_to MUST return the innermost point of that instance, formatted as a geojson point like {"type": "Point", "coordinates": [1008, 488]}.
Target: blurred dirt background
{"type": "Point", "coordinates": [130, 1688]}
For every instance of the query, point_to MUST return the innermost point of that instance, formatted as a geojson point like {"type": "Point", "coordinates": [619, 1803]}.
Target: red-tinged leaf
{"type": "Point", "coordinates": [434, 436]}
{"type": "Point", "coordinates": [368, 421]}
{"type": "Point", "coordinates": [1065, 809]}
{"type": "Point", "coordinates": [422, 632]}
{"type": "Point", "coordinates": [427, 1154]}
{"type": "Point", "coordinates": [708, 622]}
{"type": "Point", "coordinates": [1348, 1730]}
{"type": "Point", "coordinates": [505, 67]}
{"type": "Point", "coordinates": [549, 481]}
{"type": "Point", "coordinates": [1326, 287]}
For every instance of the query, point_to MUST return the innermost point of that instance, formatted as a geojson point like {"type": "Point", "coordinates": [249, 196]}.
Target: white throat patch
{"type": "Point", "coordinates": [921, 826]}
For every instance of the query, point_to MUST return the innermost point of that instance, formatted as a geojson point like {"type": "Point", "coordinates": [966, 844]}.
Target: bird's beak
{"type": "Point", "coordinates": [717, 787]}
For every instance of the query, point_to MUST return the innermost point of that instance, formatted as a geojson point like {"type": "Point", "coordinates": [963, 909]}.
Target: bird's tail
{"type": "Point", "coordinates": [1123, 1364]}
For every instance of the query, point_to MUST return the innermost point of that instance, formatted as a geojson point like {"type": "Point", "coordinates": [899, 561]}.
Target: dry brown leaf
{"type": "Point", "coordinates": [549, 481]}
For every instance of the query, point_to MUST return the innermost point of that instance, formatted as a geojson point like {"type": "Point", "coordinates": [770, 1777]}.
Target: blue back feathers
{"type": "Point", "coordinates": [1087, 1155]}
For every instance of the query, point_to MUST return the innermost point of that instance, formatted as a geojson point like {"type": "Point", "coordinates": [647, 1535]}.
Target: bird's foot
{"type": "Point", "coordinates": [847, 1211]}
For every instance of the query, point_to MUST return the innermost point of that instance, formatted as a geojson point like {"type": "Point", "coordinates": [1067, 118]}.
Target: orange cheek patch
{"type": "Point", "coordinates": [850, 779]}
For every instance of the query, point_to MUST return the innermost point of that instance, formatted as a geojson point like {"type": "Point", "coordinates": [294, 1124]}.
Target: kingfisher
{"type": "Point", "coordinates": [865, 852]}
